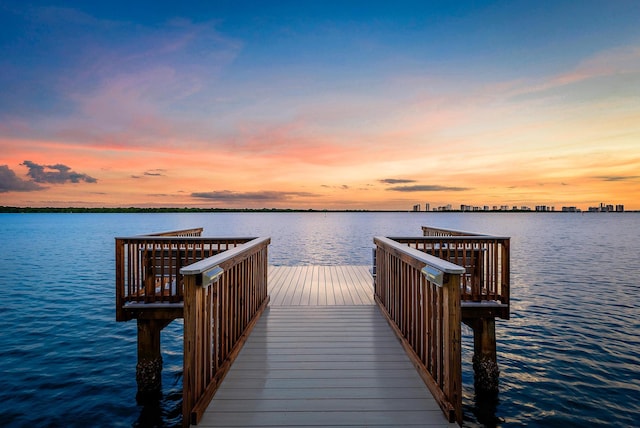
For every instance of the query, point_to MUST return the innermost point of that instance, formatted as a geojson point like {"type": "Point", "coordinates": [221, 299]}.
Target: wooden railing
{"type": "Point", "coordinates": [434, 231]}
{"type": "Point", "coordinates": [197, 231]}
{"type": "Point", "coordinates": [485, 259]}
{"type": "Point", "coordinates": [420, 296]}
{"type": "Point", "coordinates": [223, 298]}
{"type": "Point", "coordinates": [148, 266]}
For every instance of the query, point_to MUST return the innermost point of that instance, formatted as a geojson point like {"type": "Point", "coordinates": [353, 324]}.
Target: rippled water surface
{"type": "Point", "coordinates": [569, 356]}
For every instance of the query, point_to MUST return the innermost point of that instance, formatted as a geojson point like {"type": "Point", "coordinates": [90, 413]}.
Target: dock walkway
{"type": "Point", "coordinates": [322, 355]}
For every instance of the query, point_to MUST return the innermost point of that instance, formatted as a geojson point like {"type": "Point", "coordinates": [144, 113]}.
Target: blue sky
{"type": "Point", "coordinates": [316, 104]}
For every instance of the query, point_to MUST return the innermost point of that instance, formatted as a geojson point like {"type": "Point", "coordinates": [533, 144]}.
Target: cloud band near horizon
{"type": "Point", "coordinates": [266, 196]}
{"type": "Point", "coordinates": [428, 188]}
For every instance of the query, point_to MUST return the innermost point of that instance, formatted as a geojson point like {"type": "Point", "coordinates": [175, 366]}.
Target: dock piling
{"type": "Point", "coordinates": [485, 364]}
{"type": "Point", "coordinates": [149, 366]}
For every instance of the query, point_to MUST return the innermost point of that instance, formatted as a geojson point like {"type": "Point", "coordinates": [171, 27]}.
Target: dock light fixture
{"type": "Point", "coordinates": [433, 275]}
{"type": "Point", "coordinates": [211, 276]}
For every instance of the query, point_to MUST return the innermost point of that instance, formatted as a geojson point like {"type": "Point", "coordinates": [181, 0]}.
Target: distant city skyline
{"type": "Point", "coordinates": [602, 207]}
{"type": "Point", "coordinates": [319, 105]}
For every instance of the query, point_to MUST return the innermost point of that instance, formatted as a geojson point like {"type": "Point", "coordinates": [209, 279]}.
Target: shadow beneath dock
{"type": "Point", "coordinates": [162, 411]}
{"type": "Point", "coordinates": [485, 408]}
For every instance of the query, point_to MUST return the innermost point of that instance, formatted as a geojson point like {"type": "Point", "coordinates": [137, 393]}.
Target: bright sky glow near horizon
{"type": "Point", "coordinates": [319, 104]}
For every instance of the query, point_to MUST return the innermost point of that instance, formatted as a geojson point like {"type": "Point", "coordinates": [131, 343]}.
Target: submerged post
{"type": "Point", "coordinates": [485, 364]}
{"type": "Point", "coordinates": [149, 366]}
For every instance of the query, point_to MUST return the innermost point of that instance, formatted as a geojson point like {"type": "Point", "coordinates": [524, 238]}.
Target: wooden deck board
{"type": "Point", "coordinates": [320, 285]}
{"type": "Point", "coordinates": [331, 366]}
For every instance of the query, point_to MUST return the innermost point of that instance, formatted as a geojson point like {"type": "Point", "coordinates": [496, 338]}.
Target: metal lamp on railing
{"type": "Point", "coordinates": [211, 276]}
{"type": "Point", "coordinates": [433, 275]}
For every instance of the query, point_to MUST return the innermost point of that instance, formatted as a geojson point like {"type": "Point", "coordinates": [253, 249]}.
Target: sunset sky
{"type": "Point", "coordinates": [319, 104]}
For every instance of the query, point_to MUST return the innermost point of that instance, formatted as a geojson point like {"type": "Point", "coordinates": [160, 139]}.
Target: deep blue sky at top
{"type": "Point", "coordinates": [53, 48]}
{"type": "Point", "coordinates": [337, 36]}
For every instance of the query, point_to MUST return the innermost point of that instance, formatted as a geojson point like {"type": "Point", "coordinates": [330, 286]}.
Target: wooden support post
{"type": "Point", "coordinates": [485, 364]}
{"type": "Point", "coordinates": [190, 393]}
{"type": "Point", "coordinates": [149, 367]}
{"type": "Point", "coordinates": [452, 352]}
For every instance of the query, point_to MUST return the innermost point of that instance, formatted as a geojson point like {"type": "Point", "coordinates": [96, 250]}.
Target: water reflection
{"type": "Point", "coordinates": [569, 355]}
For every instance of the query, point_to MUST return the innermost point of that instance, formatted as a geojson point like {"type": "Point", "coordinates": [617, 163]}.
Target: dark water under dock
{"type": "Point", "coordinates": [569, 356]}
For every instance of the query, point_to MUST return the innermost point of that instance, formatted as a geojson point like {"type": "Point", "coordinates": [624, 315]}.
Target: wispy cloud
{"type": "Point", "coordinates": [600, 74]}
{"type": "Point", "coordinates": [10, 182]}
{"type": "Point", "coordinates": [155, 173]}
{"type": "Point", "coordinates": [266, 196]}
{"type": "Point", "coordinates": [150, 173]}
{"type": "Point", "coordinates": [619, 177]}
{"type": "Point", "coordinates": [123, 82]}
{"type": "Point", "coordinates": [55, 174]}
{"type": "Point", "coordinates": [615, 61]}
{"type": "Point", "coordinates": [428, 188]}
{"type": "Point", "coordinates": [341, 187]}
{"type": "Point", "coordinates": [396, 181]}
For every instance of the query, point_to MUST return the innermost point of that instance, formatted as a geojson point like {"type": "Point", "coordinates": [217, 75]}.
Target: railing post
{"type": "Point", "coordinates": [190, 328]}
{"type": "Point", "coordinates": [452, 344]}
{"type": "Point", "coordinates": [120, 274]}
{"type": "Point", "coordinates": [506, 272]}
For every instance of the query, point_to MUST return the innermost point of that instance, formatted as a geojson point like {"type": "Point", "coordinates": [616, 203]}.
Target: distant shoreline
{"type": "Point", "coordinates": [79, 210]}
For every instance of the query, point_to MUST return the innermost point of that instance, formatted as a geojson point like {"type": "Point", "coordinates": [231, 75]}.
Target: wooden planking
{"type": "Point", "coordinates": [322, 366]}
{"type": "Point", "coordinates": [320, 285]}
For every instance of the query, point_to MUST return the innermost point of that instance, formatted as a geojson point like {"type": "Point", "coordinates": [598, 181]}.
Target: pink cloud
{"type": "Point", "coordinates": [612, 62]}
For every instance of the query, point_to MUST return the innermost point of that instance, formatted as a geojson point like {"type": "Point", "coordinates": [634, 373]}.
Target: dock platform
{"type": "Point", "coordinates": [322, 354]}
{"type": "Point", "coordinates": [425, 288]}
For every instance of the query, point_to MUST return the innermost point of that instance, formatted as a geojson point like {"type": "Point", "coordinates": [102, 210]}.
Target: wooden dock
{"type": "Point", "coordinates": [322, 355]}
{"type": "Point", "coordinates": [314, 319]}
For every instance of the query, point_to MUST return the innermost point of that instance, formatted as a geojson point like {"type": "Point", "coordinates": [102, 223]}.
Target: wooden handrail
{"type": "Point", "coordinates": [420, 296]}
{"type": "Point", "coordinates": [148, 266]}
{"type": "Point", "coordinates": [184, 232]}
{"type": "Point", "coordinates": [435, 231]}
{"type": "Point", "coordinates": [224, 296]}
{"type": "Point", "coordinates": [485, 259]}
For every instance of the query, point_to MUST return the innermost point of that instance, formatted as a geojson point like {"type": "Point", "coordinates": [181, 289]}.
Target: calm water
{"type": "Point", "coordinates": [569, 356]}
